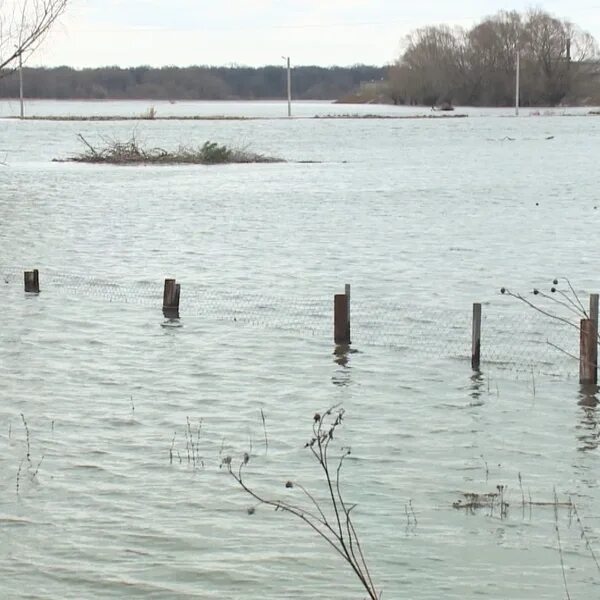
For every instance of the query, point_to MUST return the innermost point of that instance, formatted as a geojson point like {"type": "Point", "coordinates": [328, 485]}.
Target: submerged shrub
{"type": "Point", "coordinates": [132, 152]}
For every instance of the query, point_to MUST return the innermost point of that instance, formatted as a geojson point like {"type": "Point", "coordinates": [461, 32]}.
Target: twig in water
{"type": "Point", "coordinates": [584, 535]}
{"type": "Point", "coordinates": [19, 475]}
{"type": "Point", "coordinates": [264, 422]}
{"type": "Point", "coordinates": [503, 505]}
{"type": "Point", "coordinates": [90, 147]}
{"type": "Point", "coordinates": [132, 407]}
{"type": "Point", "coordinates": [198, 442]}
{"type": "Point", "coordinates": [560, 552]}
{"type": "Point", "coordinates": [34, 474]}
{"type": "Point", "coordinates": [28, 440]}
{"type": "Point", "coordinates": [412, 512]}
{"type": "Point", "coordinates": [338, 530]}
{"type": "Point", "coordinates": [487, 471]}
{"type": "Point", "coordinates": [171, 448]}
{"type": "Point", "coordinates": [522, 492]}
{"type": "Point", "coordinates": [189, 442]}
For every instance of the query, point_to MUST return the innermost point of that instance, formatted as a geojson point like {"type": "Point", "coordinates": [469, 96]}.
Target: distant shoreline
{"type": "Point", "coordinates": [108, 118]}
{"type": "Point", "coordinates": [177, 100]}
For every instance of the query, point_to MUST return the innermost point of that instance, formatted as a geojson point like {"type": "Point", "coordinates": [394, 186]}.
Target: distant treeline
{"type": "Point", "coordinates": [559, 63]}
{"type": "Point", "coordinates": [190, 83]}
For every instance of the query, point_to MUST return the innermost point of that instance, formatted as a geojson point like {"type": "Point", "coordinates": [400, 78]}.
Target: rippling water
{"type": "Point", "coordinates": [423, 218]}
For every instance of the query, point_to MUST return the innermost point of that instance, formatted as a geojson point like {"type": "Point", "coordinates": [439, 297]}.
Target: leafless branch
{"type": "Point", "coordinates": [339, 532]}
{"type": "Point", "coordinates": [569, 354]}
{"type": "Point", "coordinates": [546, 313]}
{"type": "Point", "coordinates": [24, 24]}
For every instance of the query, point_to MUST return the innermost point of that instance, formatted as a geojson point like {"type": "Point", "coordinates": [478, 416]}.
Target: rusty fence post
{"type": "Point", "coordinates": [588, 342]}
{"type": "Point", "coordinates": [171, 295]}
{"type": "Point", "coordinates": [594, 301]}
{"type": "Point", "coordinates": [32, 281]}
{"type": "Point", "coordinates": [341, 318]}
{"type": "Point", "coordinates": [476, 338]}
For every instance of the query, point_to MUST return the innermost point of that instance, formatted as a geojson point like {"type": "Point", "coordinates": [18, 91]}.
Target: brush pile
{"type": "Point", "coordinates": [131, 152]}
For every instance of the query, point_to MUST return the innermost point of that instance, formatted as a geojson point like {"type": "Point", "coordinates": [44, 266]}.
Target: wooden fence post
{"type": "Point", "coordinates": [476, 338]}
{"type": "Point", "coordinates": [594, 302]}
{"type": "Point", "coordinates": [341, 318]}
{"type": "Point", "coordinates": [347, 290]}
{"type": "Point", "coordinates": [588, 343]}
{"type": "Point", "coordinates": [171, 295]}
{"type": "Point", "coordinates": [32, 281]}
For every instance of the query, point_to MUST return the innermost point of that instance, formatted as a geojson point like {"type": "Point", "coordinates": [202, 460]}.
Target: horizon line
{"type": "Point", "coordinates": [211, 66]}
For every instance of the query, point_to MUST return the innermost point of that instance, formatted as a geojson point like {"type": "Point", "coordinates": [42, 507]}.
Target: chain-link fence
{"type": "Point", "coordinates": [514, 336]}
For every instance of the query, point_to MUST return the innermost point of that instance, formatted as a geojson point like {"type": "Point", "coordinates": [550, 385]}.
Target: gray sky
{"type": "Point", "coordinates": [258, 32]}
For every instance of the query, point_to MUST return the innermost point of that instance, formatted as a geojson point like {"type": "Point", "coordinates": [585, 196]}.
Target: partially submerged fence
{"type": "Point", "coordinates": [487, 336]}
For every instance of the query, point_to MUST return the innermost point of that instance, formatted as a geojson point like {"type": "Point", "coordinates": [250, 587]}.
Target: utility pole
{"type": "Point", "coordinates": [21, 84]}
{"type": "Point", "coordinates": [518, 84]}
{"type": "Point", "coordinates": [289, 84]}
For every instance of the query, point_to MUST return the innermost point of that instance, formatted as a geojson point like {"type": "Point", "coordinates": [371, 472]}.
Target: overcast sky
{"type": "Point", "coordinates": [258, 32]}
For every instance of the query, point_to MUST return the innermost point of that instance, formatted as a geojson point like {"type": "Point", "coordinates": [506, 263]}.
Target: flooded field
{"type": "Point", "coordinates": [98, 498]}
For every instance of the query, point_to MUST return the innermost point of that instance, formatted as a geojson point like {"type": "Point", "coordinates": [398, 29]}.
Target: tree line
{"type": "Point", "coordinates": [190, 83]}
{"type": "Point", "coordinates": [477, 66]}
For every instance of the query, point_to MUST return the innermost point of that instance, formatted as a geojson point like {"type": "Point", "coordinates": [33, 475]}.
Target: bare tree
{"type": "Point", "coordinates": [432, 62]}
{"type": "Point", "coordinates": [23, 26]}
{"type": "Point", "coordinates": [559, 62]}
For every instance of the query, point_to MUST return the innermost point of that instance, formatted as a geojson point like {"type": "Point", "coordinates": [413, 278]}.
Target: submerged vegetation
{"type": "Point", "coordinates": [131, 152]}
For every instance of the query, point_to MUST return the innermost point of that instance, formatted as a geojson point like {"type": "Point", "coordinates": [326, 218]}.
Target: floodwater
{"type": "Point", "coordinates": [98, 498]}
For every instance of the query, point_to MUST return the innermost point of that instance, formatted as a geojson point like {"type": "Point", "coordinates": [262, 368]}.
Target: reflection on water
{"type": "Point", "coordinates": [476, 390]}
{"type": "Point", "coordinates": [381, 211]}
{"type": "Point", "coordinates": [589, 434]}
{"type": "Point", "coordinates": [171, 323]}
{"type": "Point", "coordinates": [342, 355]}
{"type": "Point", "coordinates": [342, 358]}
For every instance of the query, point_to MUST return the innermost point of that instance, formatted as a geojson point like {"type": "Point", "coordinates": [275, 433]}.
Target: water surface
{"type": "Point", "coordinates": [423, 218]}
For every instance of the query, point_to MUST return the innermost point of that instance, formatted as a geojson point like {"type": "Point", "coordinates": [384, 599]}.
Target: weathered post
{"type": "Point", "coordinates": [476, 338]}
{"type": "Point", "coordinates": [341, 319]}
{"type": "Point", "coordinates": [177, 295]}
{"type": "Point", "coordinates": [32, 282]}
{"type": "Point", "coordinates": [347, 290]}
{"type": "Point", "coordinates": [171, 296]}
{"type": "Point", "coordinates": [594, 302]}
{"type": "Point", "coordinates": [588, 342]}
